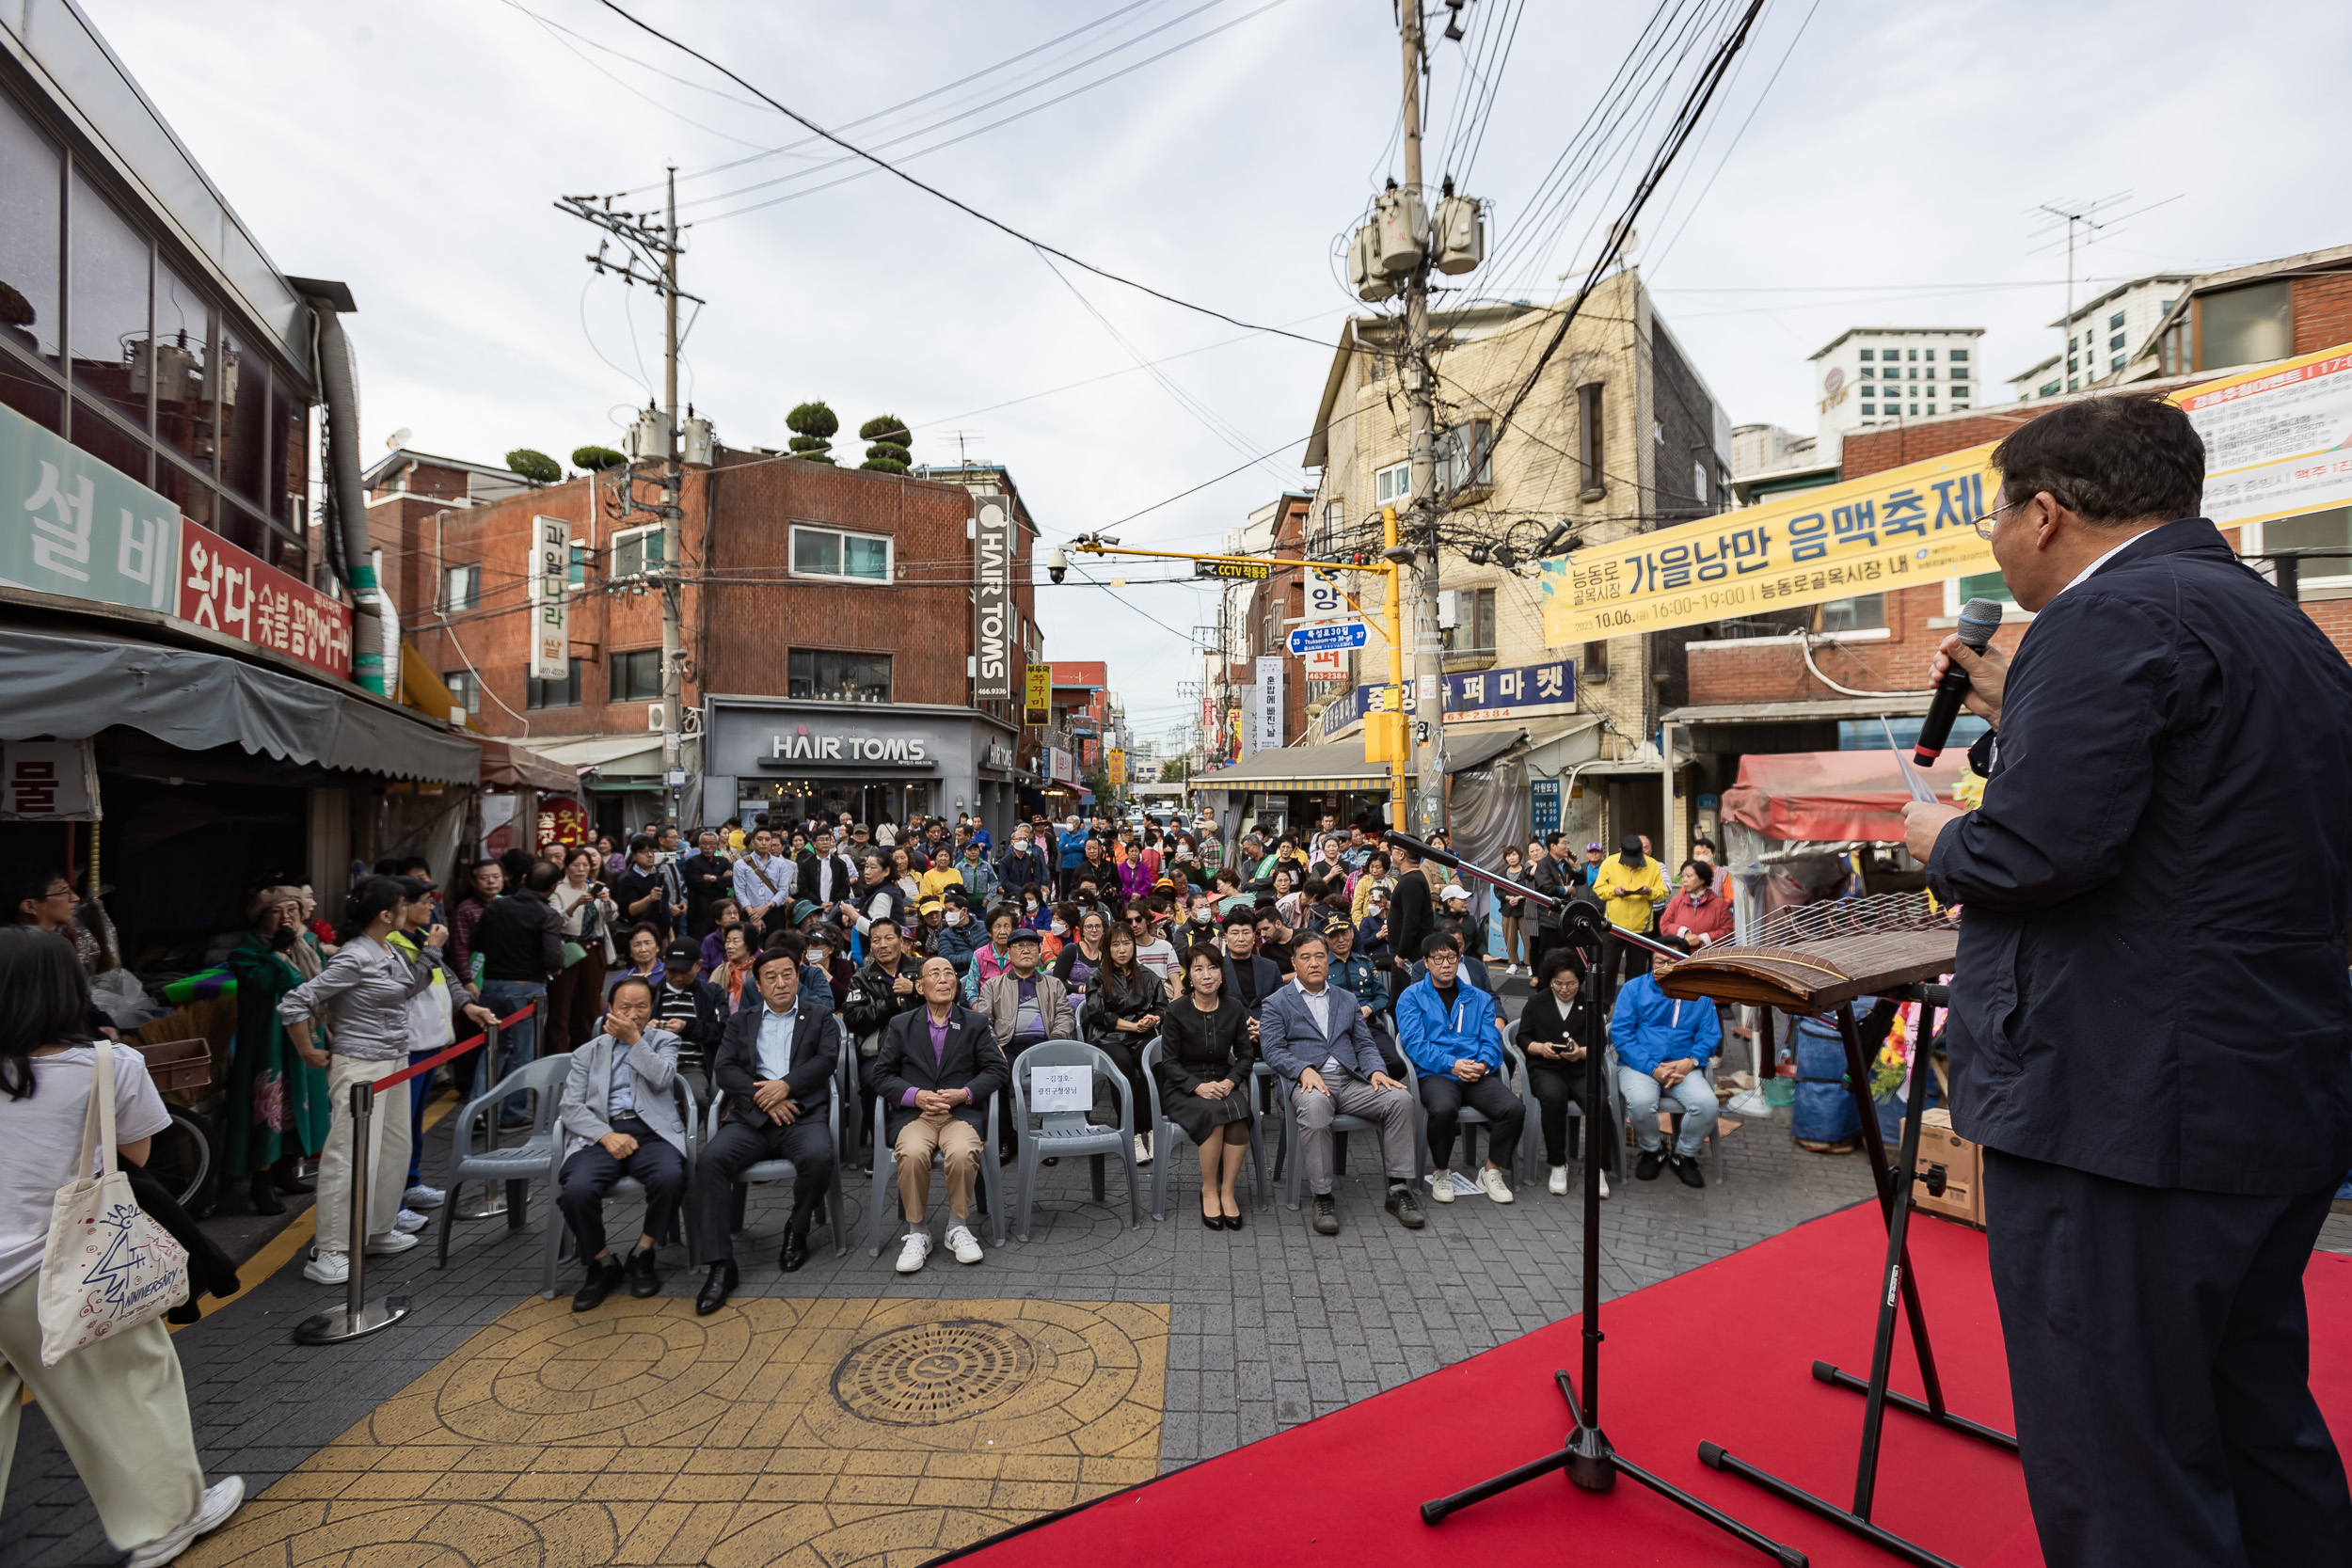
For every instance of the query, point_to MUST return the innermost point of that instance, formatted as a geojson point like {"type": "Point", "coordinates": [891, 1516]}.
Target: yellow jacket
{"type": "Point", "coordinates": [936, 882]}
{"type": "Point", "coordinates": [1629, 894]}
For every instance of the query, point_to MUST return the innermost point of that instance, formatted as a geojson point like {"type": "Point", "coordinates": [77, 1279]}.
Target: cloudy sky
{"type": "Point", "coordinates": [1869, 163]}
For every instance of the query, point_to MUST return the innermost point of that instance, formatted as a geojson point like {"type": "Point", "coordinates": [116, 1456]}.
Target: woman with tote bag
{"type": "Point", "coordinates": [116, 1401]}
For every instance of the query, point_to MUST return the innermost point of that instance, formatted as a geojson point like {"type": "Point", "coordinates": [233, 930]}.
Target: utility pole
{"type": "Point", "coordinates": [657, 245]}
{"type": "Point", "coordinates": [1421, 532]}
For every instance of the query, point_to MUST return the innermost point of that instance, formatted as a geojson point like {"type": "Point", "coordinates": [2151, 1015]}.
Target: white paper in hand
{"type": "Point", "coordinates": [1061, 1088]}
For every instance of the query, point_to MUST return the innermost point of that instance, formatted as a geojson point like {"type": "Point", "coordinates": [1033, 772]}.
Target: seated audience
{"type": "Point", "coordinates": [620, 1119]}
{"type": "Point", "coordinates": [1314, 1033]}
{"type": "Point", "coordinates": [1663, 1046]}
{"type": "Point", "coordinates": [938, 1066]}
{"type": "Point", "coordinates": [1203, 1073]}
{"type": "Point", "coordinates": [1551, 1034]}
{"type": "Point", "coordinates": [1449, 1033]}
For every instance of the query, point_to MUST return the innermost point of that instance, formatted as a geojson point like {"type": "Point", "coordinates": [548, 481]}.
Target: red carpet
{"type": "Point", "coordinates": [1345, 1489]}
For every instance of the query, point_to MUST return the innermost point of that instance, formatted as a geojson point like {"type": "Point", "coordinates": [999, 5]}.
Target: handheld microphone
{"type": "Point", "coordinates": [1979, 620]}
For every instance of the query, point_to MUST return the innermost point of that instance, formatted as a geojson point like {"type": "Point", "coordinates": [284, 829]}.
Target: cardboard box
{"type": "Point", "coordinates": [1963, 1197]}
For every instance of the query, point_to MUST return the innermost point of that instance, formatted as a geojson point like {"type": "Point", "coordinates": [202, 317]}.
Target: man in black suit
{"type": "Point", "coordinates": [1411, 912]}
{"type": "Point", "coordinates": [2152, 1051]}
{"type": "Point", "coordinates": [824, 878]}
{"type": "Point", "coordinates": [938, 1066]}
{"type": "Point", "coordinates": [774, 1075]}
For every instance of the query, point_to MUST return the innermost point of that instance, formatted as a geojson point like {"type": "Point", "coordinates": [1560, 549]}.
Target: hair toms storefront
{"type": "Point", "coordinates": [877, 761]}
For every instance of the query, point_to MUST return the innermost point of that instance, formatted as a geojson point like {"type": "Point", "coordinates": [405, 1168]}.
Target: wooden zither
{"type": "Point", "coordinates": [1811, 958]}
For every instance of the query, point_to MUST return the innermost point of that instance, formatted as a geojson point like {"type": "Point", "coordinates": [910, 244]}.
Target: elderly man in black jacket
{"type": "Point", "coordinates": [939, 1064]}
{"type": "Point", "coordinates": [774, 1074]}
{"type": "Point", "coordinates": [2155, 1051]}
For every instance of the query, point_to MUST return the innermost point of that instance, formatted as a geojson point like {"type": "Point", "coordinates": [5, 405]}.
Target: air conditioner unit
{"type": "Point", "coordinates": [656, 717]}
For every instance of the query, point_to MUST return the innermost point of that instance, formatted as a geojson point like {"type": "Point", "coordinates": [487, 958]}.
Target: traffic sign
{"type": "Point", "coordinates": [1328, 634]}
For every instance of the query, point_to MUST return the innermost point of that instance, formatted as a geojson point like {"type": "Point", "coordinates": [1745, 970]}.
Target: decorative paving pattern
{"type": "Point", "coordinates": [781, 1431]}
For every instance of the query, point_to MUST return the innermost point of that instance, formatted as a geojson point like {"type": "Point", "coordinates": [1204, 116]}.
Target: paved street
{"type": "Point", "coordinates": [1263, 1329]}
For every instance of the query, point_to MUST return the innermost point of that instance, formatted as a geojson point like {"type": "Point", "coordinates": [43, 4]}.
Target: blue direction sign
{"type": "Point", "coordinates": [1328, 634]}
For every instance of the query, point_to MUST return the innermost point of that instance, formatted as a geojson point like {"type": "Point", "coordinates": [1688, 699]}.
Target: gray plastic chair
{"type": "Point", "coordinates": [689, 1117]}
{"type": "Point", "coordinates": [1067, 1134]}
{"type": "Point", "coordinates": [1515, 1076]}
{"type": "Point", "coordinates": [886, 1165]}
{"type": "Point", "coordinates": [1162, 1130]}
{"type": "Point", "coordinates": [1714, 1134]}
{"type": "Point", "coordinates": [782, 1170]}
{"type": "Point", "coordinates": [538, 1158]}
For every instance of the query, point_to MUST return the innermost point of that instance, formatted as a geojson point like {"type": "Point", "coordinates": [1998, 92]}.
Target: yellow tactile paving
{"type": "Point", "coordinates": [795, 1432]}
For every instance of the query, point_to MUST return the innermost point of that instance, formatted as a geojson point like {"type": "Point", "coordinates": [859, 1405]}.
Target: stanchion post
{"type": "Point", "coordinates": [490, 1202]}
{"type": "Point", "coordinates": [357, 1316]}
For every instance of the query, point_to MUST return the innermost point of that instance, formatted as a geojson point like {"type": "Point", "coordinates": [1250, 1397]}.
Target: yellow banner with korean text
{"type": "Point", "coordinates": [1905, 528]}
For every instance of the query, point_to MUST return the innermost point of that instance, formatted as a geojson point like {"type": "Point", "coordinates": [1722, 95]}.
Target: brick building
{"type": "Point", "coordinates": [828, 626]}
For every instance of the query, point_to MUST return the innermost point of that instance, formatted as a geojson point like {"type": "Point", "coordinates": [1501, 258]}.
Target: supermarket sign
{"type": "Point", "coordinates": [73, 526]}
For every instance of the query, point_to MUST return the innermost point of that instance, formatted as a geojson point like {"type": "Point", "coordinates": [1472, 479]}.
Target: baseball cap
{"type": "Point", "coordinates": [1455, 891]}
{"type": "Point", "coordinates": [1592, 849]}
{"type": "Point", "coordinates": [681, 953]}
{"type": "Point", "coordinates": [931, 906]}
{"type": "Point", "coordinates": [1022, 934]}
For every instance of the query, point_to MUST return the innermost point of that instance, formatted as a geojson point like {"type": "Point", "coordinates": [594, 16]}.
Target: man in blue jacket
{"type": "Point", "coordinates": [2156, 1055]}
{"type": "Point", "coordinates": [1073, 849]}
{"type": "Point", "coordinates": [1454, 1041]}
{"type": "Point", "coordinates": [1664, 1047]}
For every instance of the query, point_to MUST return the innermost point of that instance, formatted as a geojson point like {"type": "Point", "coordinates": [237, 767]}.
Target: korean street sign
{"type": "Point", "coordinates": [1327, 664]}
{"type": "Point", "coordinates": [226, 590]}
{"type": "Point", "coordinates": [1245, 571]}
{"type": "Point", "coordinates": [80, 528]}
{"type": "Point", "coordinates": [1328, 634]}
{"type": "Point", "coordinates": [550, 599]}
{"type": "Point", "coordinates": [1326, 600]}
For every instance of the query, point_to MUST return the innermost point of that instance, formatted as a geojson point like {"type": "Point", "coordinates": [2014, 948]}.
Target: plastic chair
{"type": "Point", "coordinates": [1067, 1133]}
{"type": "Point", "coordinates": [782, 1170]}
{"type": "Point", "coordinates": [1162, 1128]}
{"type": "Point", "coordinates": [886, 1165]}
{"type": "Point", "coordinates": [1285, 1092]}
{"type": "Point", "coordinates": [1714, 1134]}
{"type": "Point", "coordinates": [1515, 1076]}
{"type": "Point", "coordinates": [538, 1158]}
{"type": "Point", "coordinates": [1535, 1109]}
{"type": "Point", "coordinates": [690, 1117]}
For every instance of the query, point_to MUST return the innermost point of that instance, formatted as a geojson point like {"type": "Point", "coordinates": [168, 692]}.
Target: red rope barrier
{"type": "Point", "coordinates": [447, 1052]}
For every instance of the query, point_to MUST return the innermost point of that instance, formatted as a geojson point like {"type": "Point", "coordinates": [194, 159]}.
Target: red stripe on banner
{"type": "Point", "coordinates": [447, 1052]}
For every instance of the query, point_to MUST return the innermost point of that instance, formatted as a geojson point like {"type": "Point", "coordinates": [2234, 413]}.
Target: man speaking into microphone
{"type": "Point", "coordinates": [2155, 1057]}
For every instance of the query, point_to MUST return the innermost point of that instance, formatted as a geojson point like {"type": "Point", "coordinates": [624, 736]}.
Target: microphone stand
{"type": "Point", "coordinates": [1589, 1458]}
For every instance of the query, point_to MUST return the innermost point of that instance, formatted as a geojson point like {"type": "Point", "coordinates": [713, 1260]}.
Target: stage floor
{"type": "Point", "coordinates": [1347, 1488]}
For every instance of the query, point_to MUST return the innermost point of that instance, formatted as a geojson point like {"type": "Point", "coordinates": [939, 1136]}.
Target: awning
{"type": "Point", "coordinates": [1831, 795]}
{"type": "Point", "coordinates": [1893, 704]}
{"type": "Point", "coordinates": [1338, 766]}
{"type": "Point", "coordinates": [507, 765]}
{"type": "Point", "coordinates": [72, 685]}
{"type": "Point", "coordinates": [612, 756]}
{"type": "Point", "coordinates": [1471, 745]}
{"type": "Point", "coordinates": [425, 691]}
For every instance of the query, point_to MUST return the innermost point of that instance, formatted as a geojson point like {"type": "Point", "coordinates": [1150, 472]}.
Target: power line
{"type": "Point", "coordinates": [961, 206]}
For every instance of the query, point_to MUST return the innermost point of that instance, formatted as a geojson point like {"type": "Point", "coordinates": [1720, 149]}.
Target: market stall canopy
{"type": "Point", "coordinates": [621, 762]}
{"type": "Point", "coordinates": [425, 691]}
{"type": "Point", "coordinates": [71, 686]}
{"type": "Point", "coordinates": [1830, 796]}
{"type": "Point", "coordinates": [507, 765]}
{"type": "Point", "coordinates": [1338, 766]}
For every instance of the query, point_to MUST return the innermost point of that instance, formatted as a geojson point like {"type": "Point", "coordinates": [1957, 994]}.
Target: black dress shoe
{"type": "Point", "coordinates": [1645, 1169]}
{"type": "Point", "coordinates": [285, 1180]}
{"type": "Point", "coordinates": [603, 1279]}
{"type": "Point", "coordinates": [1232, 1221]}
{"type": "Point", "coordinates": [722, 1278]}
{"type": "Point", "coordinates": [1212, 1221]}
{"type": "Point", "coordinates": [644, 1280]}
{"type": "Point", "coordinates": [264, 1194]}
{"type": "Point", "coordinates": [1686, 1170]}
{"type": "Point", "coordinates": [795, 1252]}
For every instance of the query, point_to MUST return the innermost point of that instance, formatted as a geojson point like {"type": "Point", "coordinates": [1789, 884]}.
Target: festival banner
{"type": "Point", "coordinates": [2278, 441]}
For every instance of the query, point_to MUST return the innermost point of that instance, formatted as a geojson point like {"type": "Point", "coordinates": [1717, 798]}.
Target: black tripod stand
{"type": "Point", "coordinates": [1897, 1282]}
{"type": "Point", "coordinates": [1591, 1461]}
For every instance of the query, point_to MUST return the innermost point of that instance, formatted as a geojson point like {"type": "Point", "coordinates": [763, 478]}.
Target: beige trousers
{"type": "Point", "coordinates": [121, 1410]}
{"type": "Point", "coordinates": [388, 1154]}
{"type": "Point", "coordinates": [960, 1147]}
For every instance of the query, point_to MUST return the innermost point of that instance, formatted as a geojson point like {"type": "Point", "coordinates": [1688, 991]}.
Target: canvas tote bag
{"type": "Point", "coordinates": [108, 1267]}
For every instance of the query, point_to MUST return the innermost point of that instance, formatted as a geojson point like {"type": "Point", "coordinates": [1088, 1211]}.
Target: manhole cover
{"type": "Point", "coordinates": [932, 1373]}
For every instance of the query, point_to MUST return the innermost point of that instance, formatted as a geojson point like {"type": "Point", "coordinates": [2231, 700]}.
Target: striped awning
{"type": "Point", "coordinates": [1338, 766]}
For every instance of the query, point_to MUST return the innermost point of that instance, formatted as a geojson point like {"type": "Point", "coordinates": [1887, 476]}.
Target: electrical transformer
{"type": "Point", "coordinates": [1461, 237]}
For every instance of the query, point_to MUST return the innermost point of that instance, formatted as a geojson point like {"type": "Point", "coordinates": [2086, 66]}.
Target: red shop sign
{"type": "Point", "coordinates": [227, 589]}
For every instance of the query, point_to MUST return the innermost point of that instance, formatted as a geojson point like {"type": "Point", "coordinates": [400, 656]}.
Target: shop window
{"type": "Point", "coordinates": [1595, 662]}
{"type": "Point", "coordinates": [563, 693]}
{"type": "Point", "coordinates": [1392, 485]}
{"type": "Point", "coordinates": [1473, 629]}
{"type": "Point", "coordinates": [636, 676]}
{"type": "Point", "coordinates": [461, 587]}
{"type": "Point", "coordinates": [823, 552]}
{"type": "Point", "coordinates": [636, 552]}
{"type": "Point", "coordinates": [1588, 440]}
{"type": "Point", "coordinates": [1863, 613]}
{"type": "Point", "coordinates": [577, 574]}
{"type": "Point", "coordinates": [184, 349]}
{"type": "Point", "coordinates": [830, 674]}
{"type": "Point", "coordinates": [240, 388]}
{"type": "Point", "coordinates": [30, 169]}
{"type": "Point", "coordinates": [2317, 576]}
{"type": "Point", "coordinates": [466, 687]}
{"type": "Point", "coordinates": [1466, 457]}
{"type": "Point", "coordinates": [106, 440]}
{"type": "Point", "coordinates": [2237, 327]}
{"type": "Point", "coordinates": [107, 281]}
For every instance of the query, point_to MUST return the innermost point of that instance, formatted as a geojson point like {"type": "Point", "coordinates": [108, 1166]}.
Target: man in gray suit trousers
{"type": "Point", "coordinates": [1314, 1033]}
{"type": "Point", "coordinates": [619, 1119]}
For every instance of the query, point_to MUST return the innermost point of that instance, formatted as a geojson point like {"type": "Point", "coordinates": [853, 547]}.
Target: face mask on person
{"type": "Point", "coordinates": [1062, 928]}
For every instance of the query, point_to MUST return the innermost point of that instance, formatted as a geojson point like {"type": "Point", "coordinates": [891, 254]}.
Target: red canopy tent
{"type": "Point", "coordinates": [1830, 796]}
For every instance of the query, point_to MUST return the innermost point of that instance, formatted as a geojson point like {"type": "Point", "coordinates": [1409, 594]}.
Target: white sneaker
{"type": "Point", "coordinates": [1604, 1183]}
{"type": "Point", "coordinates": [220, 1499]}
{"type": "Point", "coordinates": [1143, 1148]}
{"type": "Point", "coordinates": [389, 1242]}
{"type": "Point", "coordinates": [1441, 1183]}
{"type": "Point", "coordinates": [408, 1222]}
{"type": "Point", "coordinates": [1558, 1185]}
{"type": "Point", "coordinates": [917, 1248]}
{"type": "Point", "coordinates": [965, 1245]}
{"type": "Point", "coordinates": [423, 1196]}
{"type": "Point", "coordinates": [328, 1268]}
{"type": "Point", "coordinates": [1490, 1181]}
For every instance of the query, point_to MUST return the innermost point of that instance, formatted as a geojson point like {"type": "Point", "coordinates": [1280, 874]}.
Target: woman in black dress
{"type": "Point", "coordinates": [1203, 1074]}
{"type": "Point", "coordinates": [1120, 1015]}
{"type": "Point", "coordinates": [1552, 1033]}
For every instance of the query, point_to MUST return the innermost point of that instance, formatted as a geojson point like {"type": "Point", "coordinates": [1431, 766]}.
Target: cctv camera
{"type": "Point", "coordinates": [1057, 563]}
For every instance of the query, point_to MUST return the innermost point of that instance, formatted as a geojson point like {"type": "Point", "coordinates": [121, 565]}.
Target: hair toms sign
{"type": "Point", "coordinates": [992, 601]}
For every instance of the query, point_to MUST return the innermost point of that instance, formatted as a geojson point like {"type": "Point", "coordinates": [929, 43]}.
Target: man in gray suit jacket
{"type": "Point", "coordinates": [1314, 1033]}
{"type": "Point", "coordinates": [619, 1119]}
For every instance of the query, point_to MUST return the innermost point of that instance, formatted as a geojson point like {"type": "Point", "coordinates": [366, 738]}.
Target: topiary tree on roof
{"type": "Point", "coordinates": [891, 438]}
{"type": "Point", "coordinates": [597, 460]}
{"type": "Point", "coordinates": [537, 467]}
{"type": "Point", "coordinates": [813, 425]}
